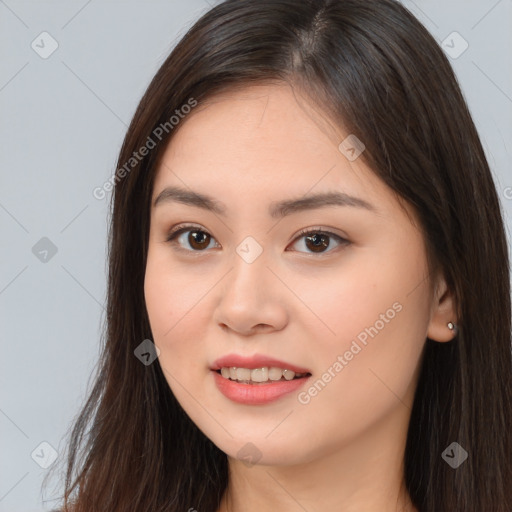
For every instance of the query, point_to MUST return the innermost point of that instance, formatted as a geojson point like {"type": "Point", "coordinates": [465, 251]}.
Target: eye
{"type": "Point", "coordinates": [198, 239]}
{"type": "Point", "coordinates": [317, 240]}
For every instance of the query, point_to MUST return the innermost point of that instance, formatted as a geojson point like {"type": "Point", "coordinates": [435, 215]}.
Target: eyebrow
{"type": "Point", "coordinates": [277, 209]}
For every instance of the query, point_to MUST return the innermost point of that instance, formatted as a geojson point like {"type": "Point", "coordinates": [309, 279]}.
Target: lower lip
{"type": "Point", "coordinates": [257, 394]}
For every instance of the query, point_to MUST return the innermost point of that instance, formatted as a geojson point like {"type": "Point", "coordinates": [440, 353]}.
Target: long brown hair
{"type": "Point", "coordinates": [373, 67]}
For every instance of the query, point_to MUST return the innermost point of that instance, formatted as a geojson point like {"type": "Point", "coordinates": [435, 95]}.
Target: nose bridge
{"type": "Point", "coordinates": [249, 268]}
{"type": "Point", "coordinates": [248, 296]}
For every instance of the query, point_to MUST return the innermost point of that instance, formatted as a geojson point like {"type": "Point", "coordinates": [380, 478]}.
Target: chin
{"type": "Point", "coordinates": [258, 451]}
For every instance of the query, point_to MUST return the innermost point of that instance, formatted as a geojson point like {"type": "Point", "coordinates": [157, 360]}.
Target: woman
{"type": "Point", "coordinates": [308, 297]}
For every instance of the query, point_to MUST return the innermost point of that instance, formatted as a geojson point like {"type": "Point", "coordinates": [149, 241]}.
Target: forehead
{"type": "Point", "coordinates": [275, 115]}
{"type": "Point", "coordinates": [262, 141]}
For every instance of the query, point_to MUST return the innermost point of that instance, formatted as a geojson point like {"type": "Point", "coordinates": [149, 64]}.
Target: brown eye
{"type": "Point", "coordinates": [197, 239]}
{"type": "Point", "coordinates": [318, 241]}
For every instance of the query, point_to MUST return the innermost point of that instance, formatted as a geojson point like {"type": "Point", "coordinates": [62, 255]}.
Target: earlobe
{"type": "Point", "coordinates": [443, 321]}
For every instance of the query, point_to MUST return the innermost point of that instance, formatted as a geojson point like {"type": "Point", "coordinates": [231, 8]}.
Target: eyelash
{"type": "Point", "coordinates": [171, 237]}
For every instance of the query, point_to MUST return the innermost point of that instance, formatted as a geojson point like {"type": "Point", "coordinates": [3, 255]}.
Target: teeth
{"type": "Point", "coordinates": [243, 374]}
{"type": "Point", "coordinates": [275, 373]}
{"type": "Point", "coordinates": [258, 374]}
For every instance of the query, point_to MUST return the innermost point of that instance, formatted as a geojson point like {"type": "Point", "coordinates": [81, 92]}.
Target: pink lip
{"type": "Point", "coordinates": [256, 394]}
{"type": "Point", "coordinates": [255, 361]}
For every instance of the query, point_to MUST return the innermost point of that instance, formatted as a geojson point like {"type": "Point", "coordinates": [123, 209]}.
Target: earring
{"type": "Point", "coordinates": [452, 326]}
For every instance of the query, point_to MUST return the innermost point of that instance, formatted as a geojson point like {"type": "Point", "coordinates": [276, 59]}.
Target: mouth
{"type": "Point", "coordinates": [248, 392]}
{"type": "Point", "coordinates": [257, 379]}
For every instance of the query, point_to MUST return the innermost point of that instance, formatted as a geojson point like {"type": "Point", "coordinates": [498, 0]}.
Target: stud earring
{"type": "Point", "coordinates": [452, 326]}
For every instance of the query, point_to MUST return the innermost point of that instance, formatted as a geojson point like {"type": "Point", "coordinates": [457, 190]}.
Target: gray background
{"type": "Point", "coordinates": [63, 119]}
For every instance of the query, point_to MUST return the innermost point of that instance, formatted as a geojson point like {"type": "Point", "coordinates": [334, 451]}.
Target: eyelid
{"type": "Point", "coordinates": [319, 229]}
{"type": "Point", "coordinates": [173, 232]}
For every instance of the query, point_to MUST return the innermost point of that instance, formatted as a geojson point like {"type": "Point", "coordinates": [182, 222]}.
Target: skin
{"type": "Point", "coordinates": [343, 450]}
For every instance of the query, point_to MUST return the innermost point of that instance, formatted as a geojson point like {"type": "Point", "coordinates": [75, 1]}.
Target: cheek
{"type": "Point", "coordinates": [171, 299]}
{"type": "Point", "coordinates": [378, 314]}
{"type": "Point", "coordinates": [170, 310]}
{"type": "Point", "coordinates": [361, 299]}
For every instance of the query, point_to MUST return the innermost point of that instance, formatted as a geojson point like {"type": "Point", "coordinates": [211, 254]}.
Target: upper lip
{"type": "Point", "coordinates": [254, 361]}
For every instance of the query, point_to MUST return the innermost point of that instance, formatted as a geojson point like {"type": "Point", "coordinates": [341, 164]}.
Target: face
{"type": "Point", "coordinates": [348, 301]}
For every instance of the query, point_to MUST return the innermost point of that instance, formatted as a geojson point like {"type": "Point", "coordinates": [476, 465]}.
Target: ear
{"type": "Point", "coordinates": [443, 312]}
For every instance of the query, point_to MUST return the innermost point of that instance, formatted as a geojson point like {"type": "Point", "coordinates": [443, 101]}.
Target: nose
{"type": "Point", "coordinates": [251, 298]}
